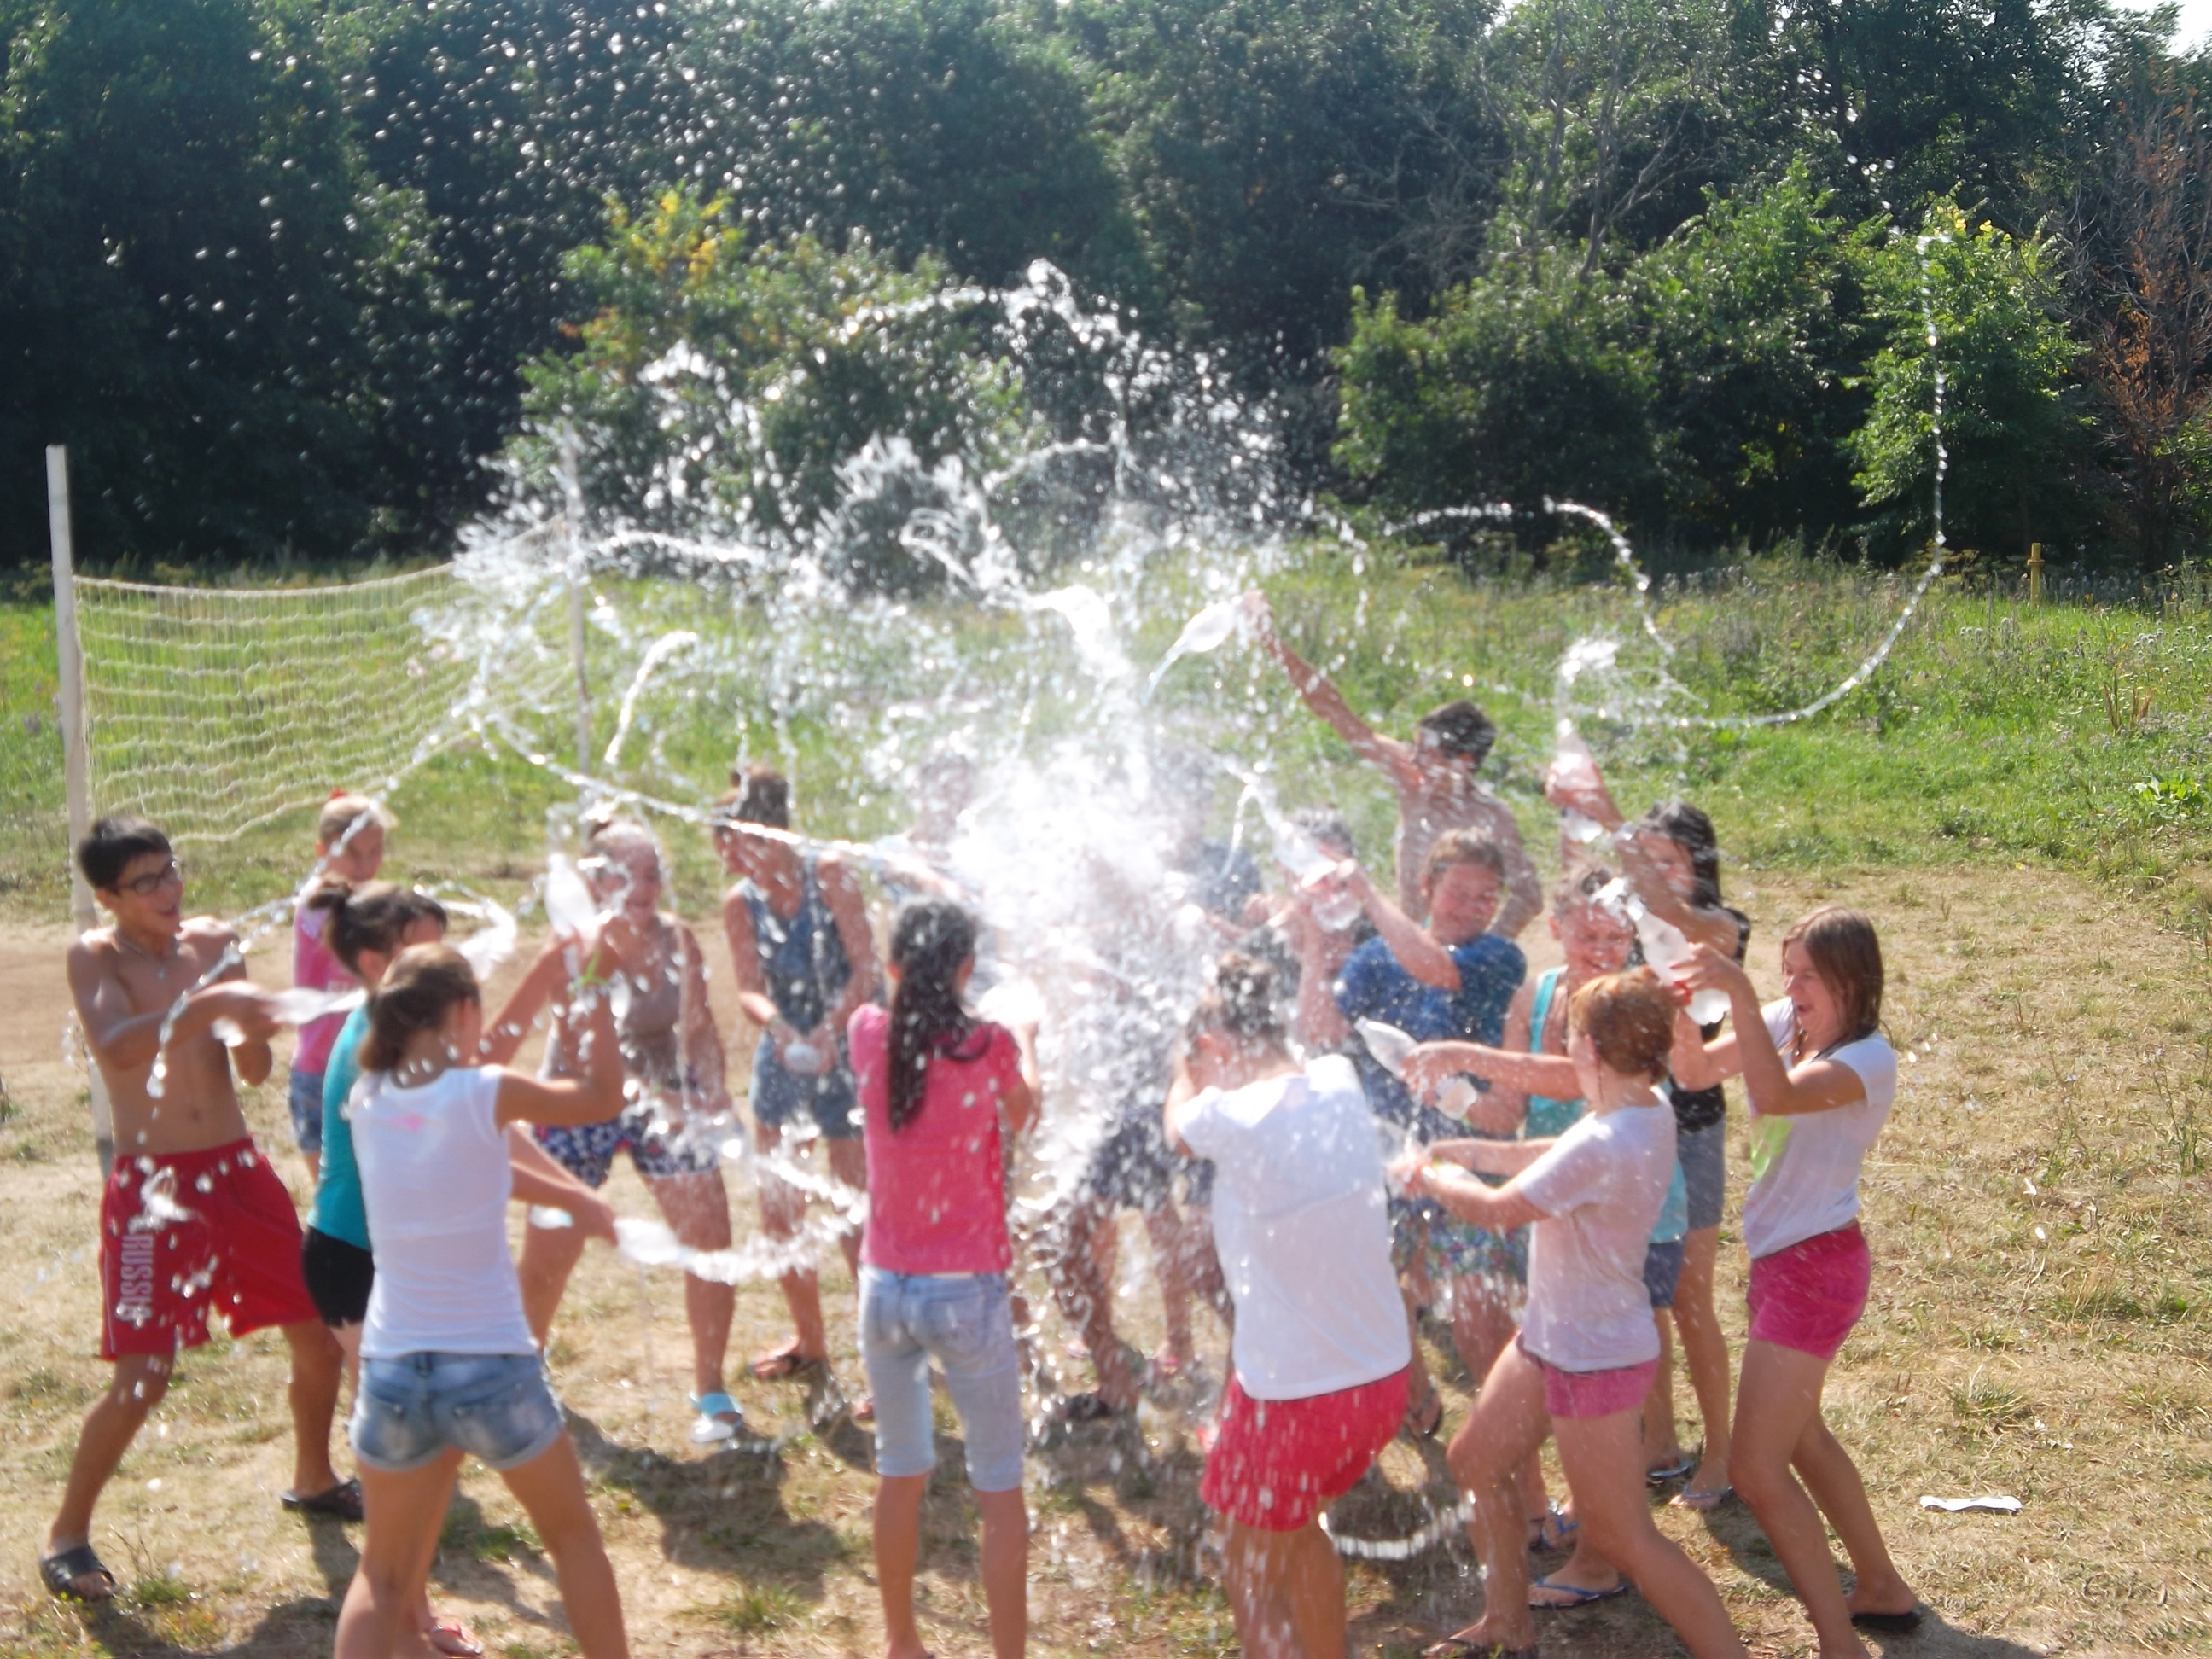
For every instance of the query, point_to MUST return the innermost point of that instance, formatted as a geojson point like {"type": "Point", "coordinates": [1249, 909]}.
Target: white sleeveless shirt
{"type": "Point", "coordinates": [436, 1180]}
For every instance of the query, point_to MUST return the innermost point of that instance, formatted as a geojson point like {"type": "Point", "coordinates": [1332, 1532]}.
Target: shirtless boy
{"type": "Point", "coordinates": [193, 1219]}
{"type": "Point", "coordinates": [1434, 776]}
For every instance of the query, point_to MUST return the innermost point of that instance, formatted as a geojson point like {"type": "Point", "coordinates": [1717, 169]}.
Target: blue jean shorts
{"type": "Point", "coordinates": [965, 1323]}
{"type": "Point", "coordinates": [496, 1407]}
{"type": "Point", "coordinates": [1663, 1271]}
{"type": "Point", "coordinates": [304, 1094]}
{"type": "Point", "coordinates": [827, 1100]}
{"type": "Point", "coordinates": [1703, 1155]}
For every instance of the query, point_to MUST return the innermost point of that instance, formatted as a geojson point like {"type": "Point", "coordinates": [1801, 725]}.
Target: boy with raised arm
{"type": "Point", "coordinates": [1434, 776]}
{"type": "Point", "coordinates": [193, 1219]}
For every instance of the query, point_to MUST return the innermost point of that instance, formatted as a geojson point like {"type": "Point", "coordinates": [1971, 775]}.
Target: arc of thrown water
{"type": "Point", "coordinates": [1625, 554]}
{"type": "Point", "coordinates": [662, 649]}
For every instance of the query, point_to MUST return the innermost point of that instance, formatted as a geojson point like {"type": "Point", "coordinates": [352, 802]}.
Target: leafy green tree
{"type": "Point", "coordinates": [1515, 390]}
{"type": "Point", "coordinates": [2011, 429]}
{"type": "Point", "coordinates": [1753, 310]}
{"type": "Point", "coordinates": [185, 286]}
{"type": "Point", "coordinates": [1274, 152]}
{"type": "Point", "coordinates": [731, 388]}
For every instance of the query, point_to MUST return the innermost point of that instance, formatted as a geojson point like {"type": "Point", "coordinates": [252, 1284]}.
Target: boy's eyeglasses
{"type": "Point", "coordinates": [147, 886]}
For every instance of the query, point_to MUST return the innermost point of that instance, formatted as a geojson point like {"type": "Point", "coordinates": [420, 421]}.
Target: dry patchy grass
{"type": "Point", "coordinates": [2039, 1327]}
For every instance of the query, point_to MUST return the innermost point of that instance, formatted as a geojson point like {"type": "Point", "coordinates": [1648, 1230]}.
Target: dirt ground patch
{"type": "Point", "coordinates": [2043, 1298]}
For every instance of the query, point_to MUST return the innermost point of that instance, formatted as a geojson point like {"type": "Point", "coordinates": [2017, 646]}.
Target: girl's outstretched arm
{"type": "Point", "coordinates": [595, 1097]}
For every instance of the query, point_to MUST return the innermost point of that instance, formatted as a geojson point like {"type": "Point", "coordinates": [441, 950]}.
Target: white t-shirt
{"type": "Point", "coordinates": [1805, 1169]}
{"type": "Point", "coordinates": [434, 1178]}
{"type": "Point", "coordinates": [1300, 1224]}
{"type": "Point", "coordinates": [1601, 1187]}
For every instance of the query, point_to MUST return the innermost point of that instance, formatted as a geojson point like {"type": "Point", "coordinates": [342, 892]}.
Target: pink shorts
{"type": "Point", "coordinates": [1279, 1462]}
{"type": "Point", "coordinates": [1591, 1394]}
{"type": "Point", "coordinates": [1809, 1295]}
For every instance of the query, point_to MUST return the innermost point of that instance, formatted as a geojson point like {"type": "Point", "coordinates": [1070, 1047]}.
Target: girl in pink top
{"type": "Point", "coordinates": [349, 847]}
{"type": "Point", "coordinates": [938, 1089]}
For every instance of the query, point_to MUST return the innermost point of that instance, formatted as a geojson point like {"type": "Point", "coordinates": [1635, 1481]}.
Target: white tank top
{"type": "Point", "coordinates": [434, 1177]}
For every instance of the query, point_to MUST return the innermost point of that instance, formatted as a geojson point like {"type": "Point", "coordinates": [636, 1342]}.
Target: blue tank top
{"type": "Point", "coordinates": [803, 959]}
{"type": "Point", "coordinates": [1549, 1117]}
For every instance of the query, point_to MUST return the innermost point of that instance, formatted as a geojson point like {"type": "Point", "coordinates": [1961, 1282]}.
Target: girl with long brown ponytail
{"type": "Point", "coordinates": [938, 1089]}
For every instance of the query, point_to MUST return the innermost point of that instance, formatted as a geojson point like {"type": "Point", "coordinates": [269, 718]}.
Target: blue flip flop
{"type": "Point", "coordinates": [1575, 1594]}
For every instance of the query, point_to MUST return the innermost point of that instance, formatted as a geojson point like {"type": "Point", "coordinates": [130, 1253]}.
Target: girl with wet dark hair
{"type": "Point", "coordinates": [939, 1089]}
{"type": "Point", "coordinates": [1672, 857]}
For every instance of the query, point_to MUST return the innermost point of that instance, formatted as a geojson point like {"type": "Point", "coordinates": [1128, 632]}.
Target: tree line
{"type": "Point", "coordinates": [301, 282]}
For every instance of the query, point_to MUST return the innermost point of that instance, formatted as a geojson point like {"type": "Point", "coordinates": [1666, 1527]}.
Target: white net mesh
{"type": "Point", "coordinates": [211, 710]}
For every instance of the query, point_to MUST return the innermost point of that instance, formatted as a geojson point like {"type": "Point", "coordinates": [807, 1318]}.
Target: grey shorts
{"type": "Point", "coordinates": [496, 1407]}
{"type": "Point", "coordinates": [965, 1324]}
{"type": "Point", "coordinates": [1703, 1155]}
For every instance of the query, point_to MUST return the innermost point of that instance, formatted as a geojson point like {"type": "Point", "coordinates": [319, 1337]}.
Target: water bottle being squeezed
{"type": "Point", "coordinates": [1666, 946]}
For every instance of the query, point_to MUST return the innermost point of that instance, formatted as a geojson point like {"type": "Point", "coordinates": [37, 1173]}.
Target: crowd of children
{"type": "Point", "coordinates": [1545, 1170]}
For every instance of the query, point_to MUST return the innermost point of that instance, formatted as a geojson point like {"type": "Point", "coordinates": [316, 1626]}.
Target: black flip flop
{"type": "Point", "coordinates": [341, 1503]}
{"type": "Point", "coordinates": [61, 1570]}
{"type": "Point", "coordinates": [1089, 1406]}
{"type": "Point", "coordinates": [1889, 1623]}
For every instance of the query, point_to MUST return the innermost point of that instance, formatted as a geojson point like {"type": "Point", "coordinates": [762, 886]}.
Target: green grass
{"type": "Point", "coordinates": [2069, 733]}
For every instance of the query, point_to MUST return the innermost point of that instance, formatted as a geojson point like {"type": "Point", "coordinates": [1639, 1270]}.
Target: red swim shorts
{"type": "Point", "coordinates": [1809, 1295]}
{"type": "Point", "coordinates": [1592, 1393]}
{"type": "Point", "coordinates": [185, 1234]}
{"type": "Point", "coordinates": [1278, 1463]}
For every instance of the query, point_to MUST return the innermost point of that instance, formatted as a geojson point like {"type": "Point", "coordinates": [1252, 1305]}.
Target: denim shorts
{"type": "Point", "coordinates": [827, 1100]}
{"type": "Point", "coordinates": [1663, 1271]}
{"type": "Point", "coordinates": [497, 1406]}
{"type": "Point", "coordinates": [304, 1094]}
{"type": "Point", "coordinates": [965, 1323]}
{"type": "Point", "coordinates": [1703, 1155]}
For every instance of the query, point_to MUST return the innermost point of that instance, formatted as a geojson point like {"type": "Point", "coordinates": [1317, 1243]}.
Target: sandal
{"type": "Point", "coordinates": [1089, 1406]}
{"type": "Point", "coordinates": [60, 1572]}
{"type": "Point", "coordinates": [341, 1502]}
{"type": "Point", "coordinates": [1461, 1647]}
{"type": "Point", "coordinates": [720, 1419]}
{"type": "Point", "coordinates": [1704, 1503]}
{"type": "Point", "coordinates": [1575, 1595]}
{"type": "Point", "coordinates": [1555, 1530]}
{"type": "Point", "coordinates": [1672, 1472]}
{"type": "Point", "coordinates": [1890, 1624]}
{"type": "Point", "coordinates": [1422, 1421]}
{"type": "Point", "coordinates": [452, 1636]}
{"type": "Point", "coordinates": [783, 1364]}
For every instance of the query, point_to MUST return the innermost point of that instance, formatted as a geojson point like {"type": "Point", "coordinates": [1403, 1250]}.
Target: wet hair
{"type": "Point", "coordinates": [930, 940]}
{"type": "Point", "coordinates": [374, 916]}
{"type": "Point", "coordinates": [758, 794]}
{"type": "Point", "coordinates": [1575, 890]}
{"type": "Point", "coordinates": [339, 815]}
{"type": "Point", "coordinates": [426, 983]}
{"type": "Point", "coordinates": [1630, 1020]}
{"type": "Point", "coordinates": [1689, 829]}
{"type": "Point", "coordinates": [1240, 999]}
{"type": "Point", "coordinates": [1461, 847]}
{"type": "Point", "coordinates": [612, 835]}
{"type": "Point", "coordinates": [1459, 727]}
{"type": "Point", "coordinates": [1845, 952]}
{"type": "Point", "coordinates": [1328, 826]}
{"type": "Point", "coordinates": [111, 845]}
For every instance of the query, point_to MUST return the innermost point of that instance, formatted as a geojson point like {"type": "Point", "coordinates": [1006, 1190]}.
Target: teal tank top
{"type": "Point", "coordinates": [338, 1210]}
{"type": "Point", "coordinates": [1547, 1117]}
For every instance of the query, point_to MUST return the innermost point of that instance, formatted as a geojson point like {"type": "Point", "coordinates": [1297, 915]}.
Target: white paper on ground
{"type": "Point", "coordinates": [1997, 1502]}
